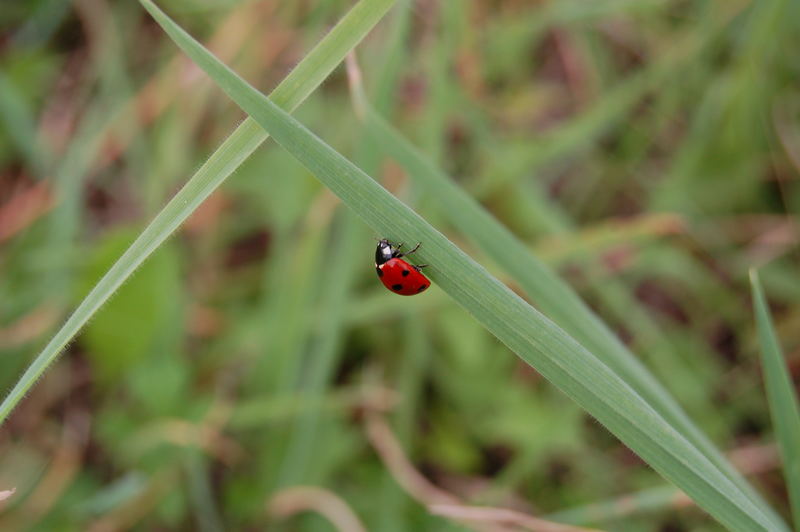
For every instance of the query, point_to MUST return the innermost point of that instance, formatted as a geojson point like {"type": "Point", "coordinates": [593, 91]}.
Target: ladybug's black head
{"type": "Point", "coordinates": [383, 252]}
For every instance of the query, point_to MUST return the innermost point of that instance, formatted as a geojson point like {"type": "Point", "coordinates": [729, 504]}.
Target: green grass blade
{"type": "Point", "coordinates": [549, 292]}
{"type": "Point", "coordinates": [782, 399]}
{"type": "Point", "coordinates": [301, 82]}
{"type": "Point", "coordinates": [305, 439]}
{"type": "Point", "coordinates": [324, 355]}
{"type": "Point", "coordinates": [536, 339]}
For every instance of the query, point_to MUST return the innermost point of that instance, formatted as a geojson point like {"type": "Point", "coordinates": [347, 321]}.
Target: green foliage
{"type": "Point", "coordinates": [533, 337]}
{"type": "Point", "coordinates": [618, 166]}
{"type": "Point", "coordinates": [143, 312]}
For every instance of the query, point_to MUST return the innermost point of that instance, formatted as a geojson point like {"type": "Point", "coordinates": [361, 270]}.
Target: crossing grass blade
{"type": "Point", "coordinates": [780, 392]}
{"type": "Point", "coordinates": [301, 82]}
{"type": "Point", "coordinates": [533, 337]}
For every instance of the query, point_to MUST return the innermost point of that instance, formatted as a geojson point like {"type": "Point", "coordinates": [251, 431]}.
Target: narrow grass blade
{"type": "Point", "coordinates": [301, 82]}
{"type": "Point", "coordinates": [782, 399]}
{"type": "Point", "coordinates": [549, 292]}
{"type": "Point", "coordinates": [536, 339]}
{"type": "Point", "coordinates": [321, 363]}
{"type": "Point", "coordinates": [346, 234]}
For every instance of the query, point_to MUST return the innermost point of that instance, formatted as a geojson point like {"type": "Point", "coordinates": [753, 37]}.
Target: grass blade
{"type": "Point", "coordinates": [781, 395]}
{"type": "Point", "coordinates": [320, 365]}
{"type": "Point", "coordinates": [550, 293]}
{"type": "Point", "coordinates": [301, 82]}
{"type": "Point", "coordinates": [554, 296]}
{"type": "Point", "coordinates": [536, 339]}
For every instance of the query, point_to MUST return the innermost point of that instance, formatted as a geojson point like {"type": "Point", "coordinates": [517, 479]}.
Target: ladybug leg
{"type": "Point", "coordinates": [418, 267]}
{"type": "Point", "coordinates": [410, 252]}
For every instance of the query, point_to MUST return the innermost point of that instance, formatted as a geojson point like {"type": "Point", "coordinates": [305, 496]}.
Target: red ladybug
{"type": "Point", "coordinates": [396, 274]}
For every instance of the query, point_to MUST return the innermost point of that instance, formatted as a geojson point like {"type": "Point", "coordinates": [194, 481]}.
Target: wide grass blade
{"type": "Point", "coordinates": [301, 82]}
{"type": "Point", "coordinates": [536, 339]}
{"type": "Point", "coordinates": [781, 395]}
{"type": "Point", "coordinates": [544, 287]}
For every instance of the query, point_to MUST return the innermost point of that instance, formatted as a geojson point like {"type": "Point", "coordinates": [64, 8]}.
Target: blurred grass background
{"type": "Point", "coordinates": [648, 150]}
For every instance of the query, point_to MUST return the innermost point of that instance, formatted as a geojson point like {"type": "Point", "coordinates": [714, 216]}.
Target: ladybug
{"type": "Point", "coordinates": [396, 274]}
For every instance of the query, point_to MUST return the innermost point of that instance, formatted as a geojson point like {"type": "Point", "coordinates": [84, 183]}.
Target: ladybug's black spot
{"type": "Point", "coordinates": [405, 273]}
{"type": "Point", "coordinates": [397, 287]}
{"type": "Point", "coordinates": [421, 288]}
{"type": "Point", "coordinates": [380, 272]}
